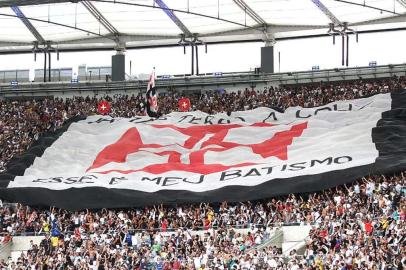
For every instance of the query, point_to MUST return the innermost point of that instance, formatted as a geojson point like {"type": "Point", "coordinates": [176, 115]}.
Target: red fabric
{"type": "Point", "coordinates": [7, 239]}
{"type": "Point", "coordinates": [104, 107]}
{"type": "Point", "coordinates": [77, 233]}
{"type": "Point", "coordinates": [323, 233]}
{"type": "Point", "coordinates": [368, 227]}
{"type": "Point", "coordinates": [164, 225]}
{"type": "Point", "coordinates": [151, 82]}
{"type": "Point", "coordinates": [131, 142]}
{"type": "Point", "coordinates": [184, 104]}
{"type": "Point", "coordinates": [252, 239]}
{"type": "Point", "coordinates": [33, 216]}
{"type": "Point", "coordinates": [176, 265]}
{"type": "Point", "coordinates": [207, 224]}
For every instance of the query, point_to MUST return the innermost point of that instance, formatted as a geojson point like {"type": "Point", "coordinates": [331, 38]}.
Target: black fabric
{"type": "Point", "coordinates": [151, 93]}
{"type": "Point", "coordinates": [97, 198]}
{"type": "Point", "coordinates": [389, 137]}
{"type": "Point", "coordinates": [18, 164]}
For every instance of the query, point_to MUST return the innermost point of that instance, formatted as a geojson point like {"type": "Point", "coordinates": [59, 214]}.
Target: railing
{"type": "Point", "coordinates": [5, 250]}
{"type": "Point", "coordinates": [57, 75]}
{"type": "Point", "coordinates": [202, 229]}
{"type": "Point", "coordinates": [297, 246]}
{"type": "Point", "coordinates": [196, 229]}
{"type": "Point", "coordinates": [168, 230]}
{"type": "Point", "coordinates": [273, 240]}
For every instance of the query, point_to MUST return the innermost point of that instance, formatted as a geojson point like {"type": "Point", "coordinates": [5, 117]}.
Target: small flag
{"type": "Point", "coordinates": [152, 97]}
{"type": "Point", "coordinates": [184, 104]}
{"type": "Point", "coordinates": [151, 82]}
{"type": "Point", "coordinates": [152, 103]}
{"type": "Point", "coordinates": [104, 107]}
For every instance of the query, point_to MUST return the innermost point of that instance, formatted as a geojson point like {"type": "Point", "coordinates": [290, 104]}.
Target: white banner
{"type": "Point", "coordinates": [199, 152]}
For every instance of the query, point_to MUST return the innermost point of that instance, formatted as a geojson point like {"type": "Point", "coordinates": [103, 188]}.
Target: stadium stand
{"type": "Point", "coordinates": [355, 226]}
{"type": "Point", "coordinates": [103, 168]}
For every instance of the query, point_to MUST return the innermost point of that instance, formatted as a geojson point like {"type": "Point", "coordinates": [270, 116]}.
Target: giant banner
{"type": "Point", "coordinates": [191, 157]}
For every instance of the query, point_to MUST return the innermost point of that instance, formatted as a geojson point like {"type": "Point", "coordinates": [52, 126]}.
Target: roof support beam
{"type": "Point", "coordinates": [174, 43]}
{"type": "Point", "coordinates": [392, 19]}
{"type": "Point", "coordinates": [28, 24]}
{"type": "Point", "coordinates": [327, 12]}
{"type": "Point", "coordinates": [258, 32]}
{"type": "Point", "coordinates": [123, 38]}
{"type": "Point", "coordinates": [367, 6]}
{"type": "Point", "coordinates": [58, 24]}
{"type": "Point", "coordinates": [173, 17]}
{"type": "Point", "coordinates": [250, 12]}
{"type": "Point", "coordinates": [99, 16]}
{"type": "Point", "coordinates": [402, 2]}
{"type": "Point", "coordinates": [9, 3]}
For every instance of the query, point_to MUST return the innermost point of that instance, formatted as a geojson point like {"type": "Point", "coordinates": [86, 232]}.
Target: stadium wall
{"type": "Point", "coordinates": [230, 82]}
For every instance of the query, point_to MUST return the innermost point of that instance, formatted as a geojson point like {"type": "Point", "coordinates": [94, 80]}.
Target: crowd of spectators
{"type": "Point", "coordinates": [357, 226]}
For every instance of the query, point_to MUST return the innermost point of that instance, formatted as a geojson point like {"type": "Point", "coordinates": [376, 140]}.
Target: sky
{"type": "Point", "coordinates": [296, 55]}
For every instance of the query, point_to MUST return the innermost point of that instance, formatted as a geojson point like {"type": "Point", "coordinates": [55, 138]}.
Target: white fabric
{"type": "Point", "coordinates": [342, 138]}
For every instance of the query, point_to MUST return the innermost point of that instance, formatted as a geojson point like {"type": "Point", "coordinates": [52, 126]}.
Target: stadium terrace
{"type": "Point", "coordinates": [202, 135]}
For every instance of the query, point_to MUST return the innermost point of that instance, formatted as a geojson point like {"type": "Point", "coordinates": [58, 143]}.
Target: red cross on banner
{"type": "Point", "coordinates": [184, 104]}
{"type": "Point", "coordinates": [104, 107]}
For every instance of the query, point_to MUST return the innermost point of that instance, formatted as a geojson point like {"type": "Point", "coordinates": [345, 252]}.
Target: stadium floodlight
{"type": "Point", "coordinates": [344, 32]}
{"type": "Point", "coordinates": [47, 49]}
{"type": "Point", "coordinates": [194, 42]}
{"type": "Point", "coordinates": [332, 32]}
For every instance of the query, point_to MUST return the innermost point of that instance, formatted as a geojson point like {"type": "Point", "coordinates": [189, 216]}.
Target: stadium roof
{"type": "Point", "coordinates": [107, 24]}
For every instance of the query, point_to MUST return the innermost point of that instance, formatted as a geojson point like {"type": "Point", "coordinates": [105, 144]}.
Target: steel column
{"type": "Point", "coordinates": [49, 66]}
{"type": "Point", "coordinates": [197, 59]}
{"type": "Point", "coordinates": [45, 66]}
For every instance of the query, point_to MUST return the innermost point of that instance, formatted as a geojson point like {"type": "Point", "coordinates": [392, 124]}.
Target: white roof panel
{"type": "Point", "coordinates": [355, 13]}
{"type": "Point", "coordinates": [12, 29]}
{"type": "Point", "coordinates": [142, 22]}
{"type": "Point", "coordinates": [138, 20]}
{"type": "Point", "coordinates": [289, 12]}
{"type": "Point", "coordinates": [72, 15]}
{"type": "Point", "coordinates": [227, 10]}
